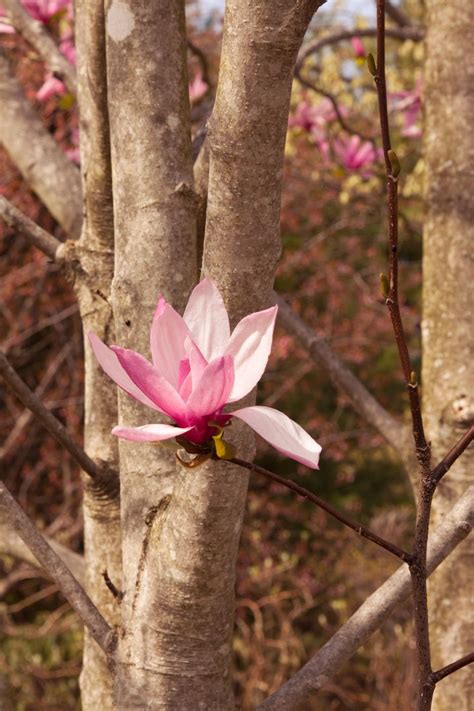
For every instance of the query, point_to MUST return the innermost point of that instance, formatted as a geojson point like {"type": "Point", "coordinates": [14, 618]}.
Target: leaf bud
{"type": "Point", "coordinates": [394, 163]}
{"type": "Point", "coordinates": [371, 66]}
{"type": "Point", "coordinates": [384, 285]}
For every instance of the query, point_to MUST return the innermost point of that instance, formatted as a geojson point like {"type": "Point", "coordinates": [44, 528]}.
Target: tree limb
{"type": "Point", "coordinates": [402, 33]}
{"type": "Point", "coordinates": [43, 164]}
{"type": "Point", "coordinates": [323, 666]}
{"type": "Point", "coordinates": [11, 544]}
{"type": "Point", "coordinates": [34, 233]}
{"type": "Point", "coordinates": [397, 15]}
{"type": "Point", "coordinates": [57, 571]}
{"type": "Point", "coordinates": [106, 481]}
{"type": "Point", "coordinates": [35, 33]}
{"type": "Point", "coordinates": [325, 506]}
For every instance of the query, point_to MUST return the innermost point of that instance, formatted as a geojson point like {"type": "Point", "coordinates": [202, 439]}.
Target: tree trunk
{"type": "Point", "coordinates": [448, 377]}
{"type": "Point", "coordinates": [180, 543]}
{"type": "Point", "coordinates": [102, 534]}
{"type": "Point", "coordinates": [155, 251]}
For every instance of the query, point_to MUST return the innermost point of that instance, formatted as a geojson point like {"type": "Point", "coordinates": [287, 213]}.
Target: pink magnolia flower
{"type": "Point", "coordinates": [198, 368]}
{"type": "Point", "coordinates": [197, 88]}
{"type": "Point", "coordinates": [50, 87]}
{"type": "Point", "coordinates": [44, 10]}
{"type": "Point", "coordinates": [409, 104]}
{"type": "Point", "coordinates": [354, 153]}
{"type": "Point", "coordinates": [315, 118]}
{"type": "Point", "coordinates": [358, 47]}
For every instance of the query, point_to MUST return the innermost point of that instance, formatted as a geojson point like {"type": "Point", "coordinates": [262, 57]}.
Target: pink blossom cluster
{"type": "Point", "coordinates": [354, 153]}
{"type": "Point", "coordinates": [409, 104]}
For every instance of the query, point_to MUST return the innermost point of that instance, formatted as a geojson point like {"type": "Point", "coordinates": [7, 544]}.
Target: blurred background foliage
{"type": "Point", "coordinates": [300, 575]}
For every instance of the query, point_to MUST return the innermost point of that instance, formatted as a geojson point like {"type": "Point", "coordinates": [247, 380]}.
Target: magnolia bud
{"type": "Point", "coordinates": [395, 163]}
{"type": "Point", "coordinates": [371, 66]}
{"type": "Point", "coordinates": [384, 285]}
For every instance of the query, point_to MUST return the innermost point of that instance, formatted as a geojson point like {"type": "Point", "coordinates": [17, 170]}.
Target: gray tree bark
{"type": "Point", "coordinates": [95, 249]}
{"type": "Point", "coordinates": [180, 542]}
{"type": "Point", "coordinates": [448, 376]}
{"type": "Point", "coordinates": [155, 251]}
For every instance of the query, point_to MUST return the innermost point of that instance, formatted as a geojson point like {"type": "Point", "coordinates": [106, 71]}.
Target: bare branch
{"type": "Point", "coordinates": [55, 428]}
{"type": "Point", "coordinates": [57, 571]}
{"type": "Point", "coordinates": [29, 229]}
{"type": "Point", "coordinates": [26, 416]}
{"type": "Point", "coordinates": [447, 462]}
{"type": "Point", "coordinates": [338, 515]}
{"type": "Point", "coordinates": [373, 612]}
{"type": "Point", "coordinates": [427, 484]}
{"type": "Point", "coordinates": [11, 544]}
{"type": "Point", "coordinates": [413, 33]}
{"type": "Point", "coordinates": [35, 33]}
{"type": "Point", "coordinates": [43, 164]}
{"type": "Point", "coordinates": [330, 96]}
{"type": "Point", "coordinates": [451, 668]}
{"type": "Point", "coordinates": [397, 15]}
{"type": "Point", "coordinates": [362, 400]}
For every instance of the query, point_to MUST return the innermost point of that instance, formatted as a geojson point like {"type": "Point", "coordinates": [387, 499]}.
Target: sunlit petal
{"type": "Point", "coordinates": [282, 433]}
{"type": "Point", "coordinates": [207, 319]}
{"type": "Point", "coordinates": [250, 346]}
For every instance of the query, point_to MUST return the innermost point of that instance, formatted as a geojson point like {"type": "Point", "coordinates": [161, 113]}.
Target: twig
{"type": "Point", "coordinates": [397, 15]}
{"type": "Point", "coordinates": [427, 484]}
{"type": "Point", "coordinates": [446, 463]}
{"type": "Point", "coordinates": [363, 401]}
{"type": "Point", "coordinates": [38, 37]}
{"type": "Point", "coordinates": [26, 416]}
{"type": "Point", "coordinates": [453, 667]}
{"type": "Point", "coordinates": [29, 229]}
{"type": "Point", "coordinates": [306, 494]}
{"type": "Point", "coordinates": [57, 571]}
{"type": "Point", "coordinates": [327, 662]}
{"type": "Point", "coordinates": [201, 56]}
{"type": "Point", "coordinates": [47, 419]}
{"type": "Point", "coordinates": [330, 97]}
{"type": "Point", "coordinates": [413, 33]}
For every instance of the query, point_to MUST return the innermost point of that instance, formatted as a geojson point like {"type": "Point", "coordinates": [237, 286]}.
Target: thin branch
{"type": "Point", "coordinates": [446, 463]}
{"type": "Point", "coordinates": [202, 59]}
{"type": "Point", "coordinates": [342, 518]}
{"type": "Point", "coordinates": [326, 663]}
{"type": "Point", "coordinates": [29, 229]}
{"type": "Point", "coordinates": [413, 33]}
{"type": "Point", "coordinates": [55, 428]}
{"type": "Point", "coordinates": [330, 97]}
{"type": "Point", "coordinates": [397, 15]}
{"type": "Point", "coordinates": [12, 545]}
{"type": "Point", "coordinates": [343, 378]}
{"type": "Point", "coordinates": [427, 485]}
{"type": "Point", "coordinates": [35, 33]}
{"type": "Point", "coordinates": [453, 667]}
{"type": "Point", "coordinates": [57, 571]}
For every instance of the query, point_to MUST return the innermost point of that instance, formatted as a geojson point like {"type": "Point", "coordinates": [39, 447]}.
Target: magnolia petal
{"type": "Point", "coordinates": [149, 433]}
{"type": "Point", "coordinates": [207, 319]}
{"type": "Point", "coordinates": [282, 433]}
{"type": "Point", "coordinates": [213, 388]}
{"type": "Point", "coordinates": [154, 386]}
{"type": "Point", "coordinates": [250, 346]}
{"type": "Point", "coordinates": [111, 365]}
{"type": "Point", "coordinates": [168, 334]}
{"type": "Point", "coordinates": [197, 362]}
